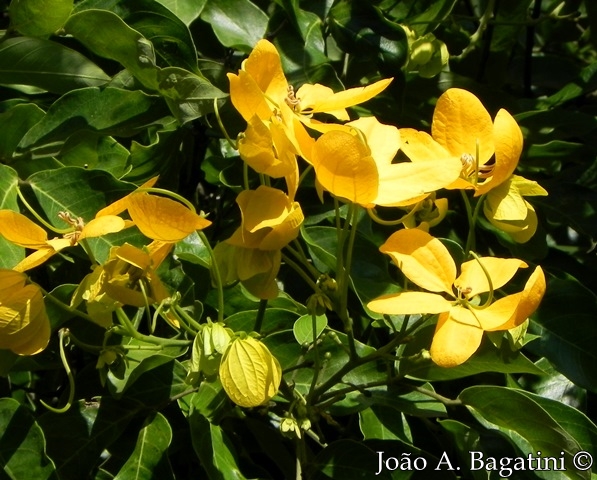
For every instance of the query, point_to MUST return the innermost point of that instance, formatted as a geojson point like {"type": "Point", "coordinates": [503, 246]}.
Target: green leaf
{"type": "Point", "coordinates": [150, 457]}
{"type": "Point", "coordinates": [238, 24]}
{"type": "Point", "coordinates": [411, 402]}
{"type": "Point", "coordinates": [186, 10]}
{"type": "Point", "coordinates": [38, 18]}
{"type": "Point", "coordinates": [524, 422]}
{"type": "Point", "coordinates": [126, 370]}
{"type": "Point", "coordinates": [188, 95]}
{"type": "Point", "coordinates": [92, 151]}
{"type": "Point", "coordinates": [156, 387]}
{"type": "Point", "coordinates": [10, 254]}
{"type": "Point", "coordinates": [111, 111]}
{"type": "Point", "coordinates": [22, 444]}
{"type": "Point", "coordinates": [369, 271]}
{"type": "Point", "coordinates": [571, 350]}
{"type": "Point", "coordinates": [303, 328]}
{"type": "Point", "coordinates": [107, 35]}
{"type": "Point", "coordinates": [213, 448]}
{"type": "Point", "coordinates": [274, 319]}
{"type": "Point", "coordinates": [77, 438]}
{"type": "Point", "coordinates": [167, 33]}
{"type": "Point", "coordinates": [48, 65]}
{"type": "Point", "coordinates": [14, 124]}
{"type": "Point", "coordinates": [348, 459]}
{"type": "Point", "coordinates": [488, 358]}
{"type": "Point", "coordinates": [383, 423]}
{"type": "Point", "coordinates": [192, 249]}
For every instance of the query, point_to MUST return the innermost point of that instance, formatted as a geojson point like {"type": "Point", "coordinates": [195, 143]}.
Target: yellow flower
{"type": "Point", "coordinates": [276, 115]}
{"type": "Point", "coordinates": [250, 374]}
{"type": "Point", "coordinates": [127, 278]}
{"type": "Point", "coordinates": [425, 261]}
{"type": "Point", "coordinates": [506, 208]}
{"type": "Point", "coordinates": [158, 218]}
{"type": "Point", "coordinates": [24, 323]}
{"type": "Point", "coordinates": [20, 230]}
{"type": "Point", "coordinates": [489, 152]}
{"type": "Point", "coordinates": [270, 220]}
{"type": "Point", "coordinates": [358, 166]}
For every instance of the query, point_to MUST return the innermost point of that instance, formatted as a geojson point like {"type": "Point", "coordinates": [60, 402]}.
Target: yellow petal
{"type": "Point", "coordinates": [18, 229]}
{"type": "Point", "coordinates": [288, 230]}
{"type": "Point", "coordinates": [402, 182]}
{"type": "Point", "coordinates": [35, 259]}
{"type": "Point", "coordinates": [457, 337]}
{"type": "Point", "coordinates": [102, 226]}
{"type": "Point", "coordinates": [250, 374]}
{"type": "Point", "coordinates": [497, 315]}
{"type": "Point", "coordinates": [158, 251]}
{"type": "Point", "coordinates": [247, 97]}
{"type": "Point", "coordinates": [344, 167]}
{"type": "Point", "coordinates": [508, 147]}
{"type": "Point", "coordinates": [527, 188]}
{"type": "Point", "coordinates": [420, 146]}
{"type": "Point", "coordinates": [530, 298]}
{"type": "Point", "coordinates": [120, 205]}
{"type": "Point", "coordinates": [350, 97]}
{"type": "Point", "coordinates": [521, 231]}
{"type": "Point", "coordinates": [10, 281]}
{"type": "Point", "coordinates": [383, 140]}
{"type": "Point", "coordinates": [132, 255]}
{"type": "Point", "coordinates": [163, 219]}
{"type": "Point", "coordinates": [505, 203]}
{"type": "Point", "coordinates": [312, 95]}
{"type": "Point", "coordinates": [24, 324]}
{"type": "Point", "coordinates": [407, 303]}
{"type": "Point", "coordinates": [473, 279]}
{"type": "Point", "coordinates": [263, 207]}
{"type": "Point", "coordinates": [265, 67]}
{"type": "Point", "coordinates": [422, 258]}
{"type": "Point", "coordinates": [460, 122]}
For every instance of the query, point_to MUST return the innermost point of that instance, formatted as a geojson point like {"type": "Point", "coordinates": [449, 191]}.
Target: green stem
{"type": "Point", "coordinates": [298, 269]}
{"type": "Point", "coordinates": [64, 306]}
{"type": "Point", "coordinates": [470, 238]}
{"type": "Point", "coordinates": [224, 131]}
{"type": "Point", "coordinates": [217, 275]}
{"type": "Point", "coordinates": [300, 255]}
{"type": "Point", "coordinates": [260, 315]}
{"type": "Point", "coordinates": [60, 231]}
{"type": "Point", "coordinates": [170, 194]}
{"type": "Point", "coordinates": [71, 378]}
{"type": "Point", "coordinates": [128, 329]}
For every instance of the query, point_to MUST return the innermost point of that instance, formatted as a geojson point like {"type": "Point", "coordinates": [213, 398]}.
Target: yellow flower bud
{"type": "Point", "coordinates": [250, 374]}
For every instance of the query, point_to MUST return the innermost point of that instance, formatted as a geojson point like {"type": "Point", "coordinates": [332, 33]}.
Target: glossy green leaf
{"type": "Point", "coordinates": [10, 254]}
{"type": "Point", "coordinates": [192, 249]}
{"type": "Point", "coordinates": [157, 386]}
{"type": "Point", "coordinates": [369, 272]}
{"type": "Point", "coordinates": [111, 111]}
{"type": "Point", "coordinates": [213, 448]}
{"type": "Point", "coordinates": [571, 350]}
{"type": "Point", "coordinates": [167, 33]}
{"type": "Point", "coordinates": [15, 123]}
{"type": "Point", "coordinates": [125, 371]}
{"type": "Point", "coordinates": [414, 364]}
{"type": "Point", "coordinates": [39, 18]}
{"type": "Point", "coordinates": [107, 35]}
{"type": "Point", "coordinates": [274, 319]}
{"type": "Point", "coordinates": [238, 24]}
{"type": "Point", "coordinates": [384, 423]}
{"type": "Point", "coordinates": [22, 444]}
{"type": "Point", "coordinates": [188, 95]}
{"type": "Point", "coordinates": [346, 459]}
{"type": "Point", "coordinates": [412, 402]}
{"type": "Point", "coordinates": [150, 457]}
{"type": "Point", "coordinates": [186, 10]}
{"type": "Point", "coordinates": [48, 65]}
{"type": "Point", "coordinates": [77, 438]}
{"type": "Point", "coordinates": [303, 328]}
{"type": "Point", "coordinates": [95, 152]}
{"type": "Point", "coordinates": [524, 421]}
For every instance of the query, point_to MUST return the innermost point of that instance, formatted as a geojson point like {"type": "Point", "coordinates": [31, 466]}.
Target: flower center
{"type": "Point", "coordinates": [291, 100]}
{"type": "Point", "coordinates": [77, 223]}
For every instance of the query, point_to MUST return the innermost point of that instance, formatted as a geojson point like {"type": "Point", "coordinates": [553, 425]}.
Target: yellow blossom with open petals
{"type": "Point", "coordinates": [127, 278]}
{"type": "Point", "coordinates": [465, 303]}
{"type": "Point", "coordinates": [262, 95]}
{"type": "Point", "coordinates": [24, 323]}
{"type": "Point", "coordinates": [358, 166]}
{"type": "Point", "coordinates": [489, 151]}
{"type": "Point", "coordinates": [270, 220]}
{"type": "Point", "coordinates": [20, 230]}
